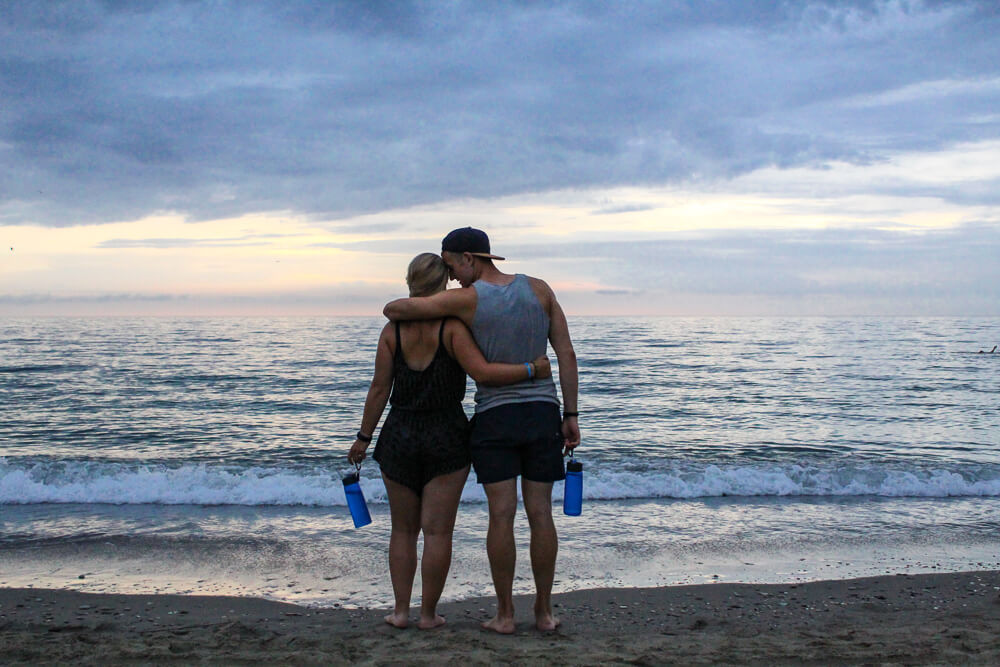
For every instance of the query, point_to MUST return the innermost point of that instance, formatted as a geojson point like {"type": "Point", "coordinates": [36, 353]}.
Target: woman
{"type": "Point", "coordinates": [422, 448]}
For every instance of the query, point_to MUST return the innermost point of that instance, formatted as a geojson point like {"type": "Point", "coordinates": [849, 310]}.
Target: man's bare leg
{"type": "Point", "coordinates": [502, 498]}
{"type": "Point", "coordinates": [439, 504]}
{"type": "Point", "coordinates": [404, 508]}
{"type": "Point", "coordinates": [544, 546]}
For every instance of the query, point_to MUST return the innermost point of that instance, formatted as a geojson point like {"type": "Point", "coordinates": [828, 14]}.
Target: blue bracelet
{"type": "Point", "coordinates": [530, 374]}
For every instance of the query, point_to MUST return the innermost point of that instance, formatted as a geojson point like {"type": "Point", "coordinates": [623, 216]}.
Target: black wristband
{"type": "Point", "coordinates": [364, 438]}
{"type": "Point", "coordinates": [570, 414]}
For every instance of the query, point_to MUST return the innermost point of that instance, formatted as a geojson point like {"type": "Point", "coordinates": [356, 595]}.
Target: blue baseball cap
{"type": "Point", "coordinates": [473, 241]}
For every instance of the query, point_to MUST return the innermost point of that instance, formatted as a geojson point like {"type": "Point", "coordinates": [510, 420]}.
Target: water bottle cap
{"type": "Point", "coordinates": [351, 478]}
{"type": "Point", "coordinates": [574, 466]}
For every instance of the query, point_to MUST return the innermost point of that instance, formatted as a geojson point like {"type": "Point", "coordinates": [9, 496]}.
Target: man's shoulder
{"type": "Point", "coordinates": [542, 291]}
{"type": "Point", "coordinates": [537, 281]}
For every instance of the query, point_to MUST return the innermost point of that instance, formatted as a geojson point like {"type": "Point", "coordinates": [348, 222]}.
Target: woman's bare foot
{"type": "Point", "coordinates": [435, 621]}
{"type": "Point", "coordinates": [504, 626]}
{"type": "Point", "coordinates": [397, 620]}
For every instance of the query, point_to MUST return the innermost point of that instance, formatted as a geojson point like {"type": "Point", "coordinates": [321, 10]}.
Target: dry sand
{"type": "Point", "coordinates": [901, 619]}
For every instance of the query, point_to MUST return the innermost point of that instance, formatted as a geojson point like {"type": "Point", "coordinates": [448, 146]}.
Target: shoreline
{"type": "Point", "coordinates": [903, 618]}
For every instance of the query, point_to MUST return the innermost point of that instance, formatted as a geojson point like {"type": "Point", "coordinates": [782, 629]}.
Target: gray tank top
{"type": "Point", "coordinates": [511, 327]}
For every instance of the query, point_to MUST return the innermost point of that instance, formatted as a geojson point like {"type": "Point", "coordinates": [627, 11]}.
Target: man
{"type": "Point", "coordinates": [517, 430]}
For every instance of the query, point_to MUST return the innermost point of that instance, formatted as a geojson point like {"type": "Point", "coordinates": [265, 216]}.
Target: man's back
{"type": "Point", "coordinates": [510, 324]}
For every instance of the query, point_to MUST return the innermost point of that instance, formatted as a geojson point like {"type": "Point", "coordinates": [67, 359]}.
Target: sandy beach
{"type": "Point", "coordinates": [903, 619]}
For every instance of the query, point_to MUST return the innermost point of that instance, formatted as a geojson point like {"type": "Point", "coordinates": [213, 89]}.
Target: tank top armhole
{"type": "Point", "coordinates": [441, 347]}
{"type": "Point", "coordinates": [399, 343]}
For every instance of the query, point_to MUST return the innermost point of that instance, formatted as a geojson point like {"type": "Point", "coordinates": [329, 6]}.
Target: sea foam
{"type": "Point", "coordinates": [28, 482]}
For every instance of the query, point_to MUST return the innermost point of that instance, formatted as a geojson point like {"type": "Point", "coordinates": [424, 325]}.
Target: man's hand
{"type": "Point", "coordinates": [543, 368]}
{"type": "Point", "coordinates": [358, 452]}
{"type": "Point", "coordinates": [571, 434]}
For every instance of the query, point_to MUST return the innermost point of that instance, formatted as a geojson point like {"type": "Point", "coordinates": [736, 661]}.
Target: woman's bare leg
{"type": "Point", "coordinates": [439, 505]}
{"type": "Point", "coordinates": [404, 507]}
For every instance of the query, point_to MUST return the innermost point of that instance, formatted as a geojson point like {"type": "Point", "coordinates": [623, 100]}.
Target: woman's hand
{"type": "Point", "coordinates": [543, 369]}
{"type": "Point", "coordinates": [358, 452]}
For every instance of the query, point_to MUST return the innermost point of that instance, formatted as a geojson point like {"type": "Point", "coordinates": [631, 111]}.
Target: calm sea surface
{"type": "Point", "coordinates": [204, 455]}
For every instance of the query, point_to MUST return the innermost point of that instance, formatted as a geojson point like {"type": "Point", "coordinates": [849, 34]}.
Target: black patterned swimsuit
{"type": "Point", "coordinates": [426, 433]}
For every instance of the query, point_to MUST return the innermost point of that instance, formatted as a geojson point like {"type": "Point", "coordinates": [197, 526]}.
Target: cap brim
{"type": "Point", "coordinates": [486, 254]}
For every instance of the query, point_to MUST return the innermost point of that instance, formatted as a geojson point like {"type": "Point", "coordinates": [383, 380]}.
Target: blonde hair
{"type": "Point", "coordinates": [427, 274]}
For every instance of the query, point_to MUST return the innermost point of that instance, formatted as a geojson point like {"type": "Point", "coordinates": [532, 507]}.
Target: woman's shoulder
{"type": "Point", "coordinates": [454, 330]}
{"type": "Point", "coordinates": [454, 325]}
{"type": "Point", "coordinates": [388, 335]}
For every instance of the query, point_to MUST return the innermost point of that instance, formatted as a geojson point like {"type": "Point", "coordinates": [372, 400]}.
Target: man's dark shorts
{"type": "Point", "coordinates": [518, 439]}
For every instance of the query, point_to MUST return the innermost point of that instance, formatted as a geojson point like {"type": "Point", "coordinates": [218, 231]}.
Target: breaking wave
{"type": "Point", "coordinates": [28, 482]}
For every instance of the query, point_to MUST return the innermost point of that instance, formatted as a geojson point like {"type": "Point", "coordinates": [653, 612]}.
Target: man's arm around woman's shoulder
{"type": "Point", "coordinates": [460, 303]}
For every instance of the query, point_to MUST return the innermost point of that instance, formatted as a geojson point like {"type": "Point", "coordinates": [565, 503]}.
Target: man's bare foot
{"type": "Point", "coordinates": [546, 622]}
{"type": "Point", "coordinates": [429, 623]}
{"type": "Point", "coordinates": [397, 620]}
{"type": "Point", "coordinates": [504, 626]}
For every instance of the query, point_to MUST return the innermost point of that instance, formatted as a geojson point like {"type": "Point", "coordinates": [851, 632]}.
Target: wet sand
{"type": "Point", "coordinates": [949, 618]}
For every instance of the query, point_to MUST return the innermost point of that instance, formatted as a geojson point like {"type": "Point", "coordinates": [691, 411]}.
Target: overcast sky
{"type": "Point", "coordinates": [701, 157]}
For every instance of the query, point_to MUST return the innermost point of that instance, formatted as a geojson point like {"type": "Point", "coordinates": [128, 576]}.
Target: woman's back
{"type": "Point", "coordinates": [425, 377]}
{"type": "Point", "coordinates": [419, 342]}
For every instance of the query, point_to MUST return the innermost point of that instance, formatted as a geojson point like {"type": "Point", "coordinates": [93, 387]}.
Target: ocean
{"type": "Point", "coordinates": [204, 455]}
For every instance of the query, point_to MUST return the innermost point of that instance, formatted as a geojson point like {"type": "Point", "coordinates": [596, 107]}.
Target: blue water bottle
{"type": "Point", "coordinates": [356, 500]}
{"type": "Point", "coordinates": [573, 492]}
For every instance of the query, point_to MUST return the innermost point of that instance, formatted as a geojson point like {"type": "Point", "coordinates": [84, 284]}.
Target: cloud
{"type": "Point", "coordinates": [113, 111]}
{"type": "Point", "coordinates": [925, 90]}
{"type": "Point", "coordinates": [234, 242]}
{"type": "Point", "coordinates": [47, 299]}
{"type": "Point", "coordinates": [407, 247]}
{"type": "Point", "coordinates": [836, 271]}
{"type": "Point", "coordinates": [358, 297]}
{"type": "Point", "coordinates": [624, 208]}
{"type": "Point", "coordinates": [954, 268]}
{"type": "Point", "coordinates": [618, 292]}
{"type": "Point", "coordinates": [369, 228]}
